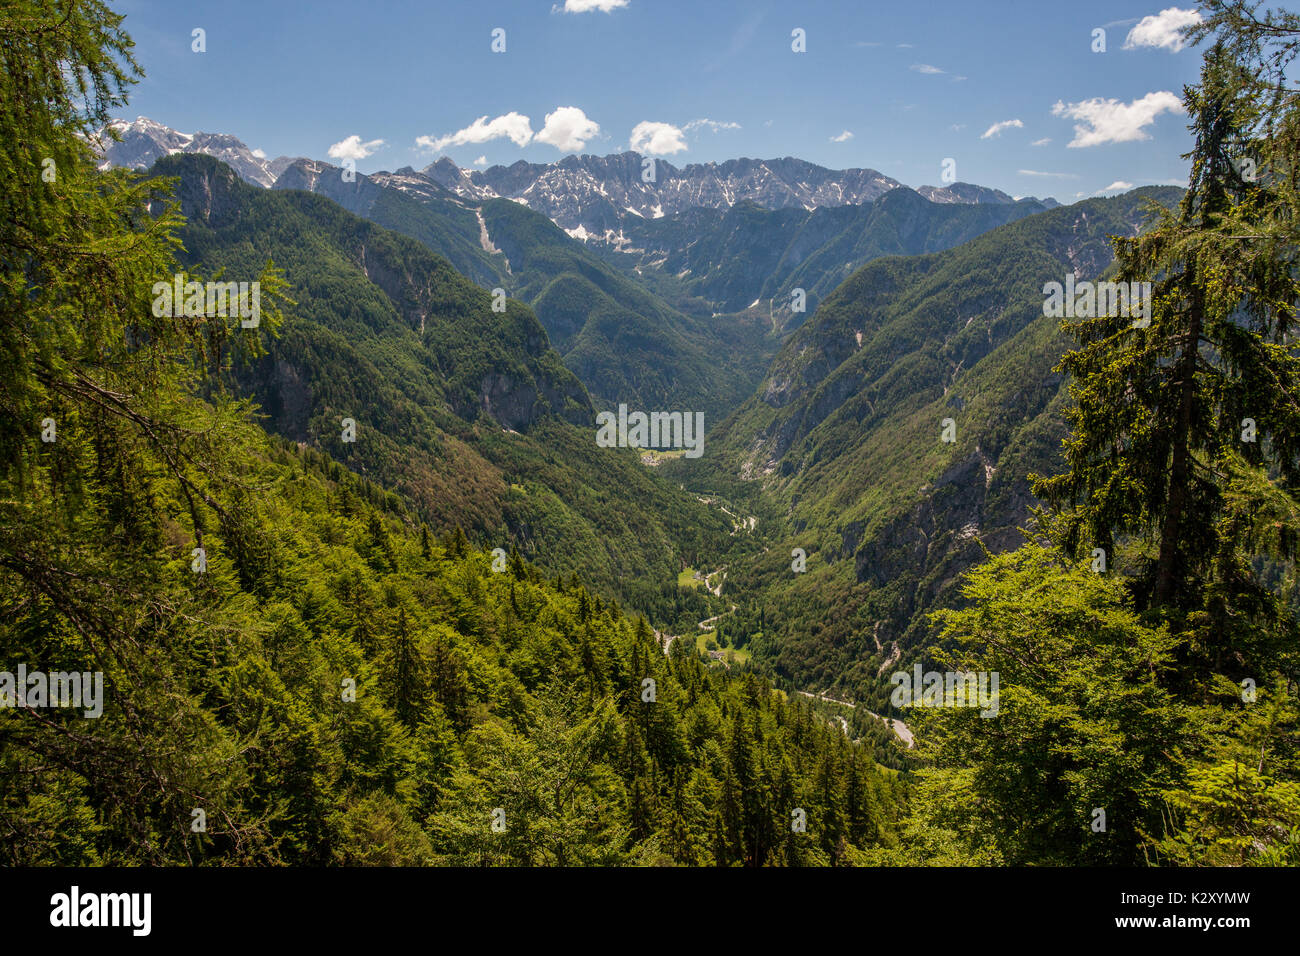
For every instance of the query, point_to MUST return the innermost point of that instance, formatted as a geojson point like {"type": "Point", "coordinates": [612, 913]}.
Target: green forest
{"type": "Point", "coordinates": [314, 652]}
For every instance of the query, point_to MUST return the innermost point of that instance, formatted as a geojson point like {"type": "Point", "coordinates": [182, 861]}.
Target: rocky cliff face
{"type": "Point", "coordinates": [597, 193]}
{"type": "Point", "coordinates": [357, 196]}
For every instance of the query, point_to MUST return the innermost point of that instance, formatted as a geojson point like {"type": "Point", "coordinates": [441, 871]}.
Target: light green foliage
{"type": "Point", "coordinates": [1085, 718]}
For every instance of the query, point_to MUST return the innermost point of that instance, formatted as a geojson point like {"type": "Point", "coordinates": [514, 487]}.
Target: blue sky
{"type": "Point", "coordinates": [914, 83]}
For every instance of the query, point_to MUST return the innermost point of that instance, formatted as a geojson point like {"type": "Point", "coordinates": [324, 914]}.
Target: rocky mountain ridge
{"type": "Point", "coordinates": [590, 197]}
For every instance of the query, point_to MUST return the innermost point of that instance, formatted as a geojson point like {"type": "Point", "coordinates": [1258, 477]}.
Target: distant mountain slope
{"type": "Point", "coordinates": [603, 197]}
{"type": "Point", "coordinates": [624, 342]}
{"type": "Point", "coordinates": [736, 256]}
{"type": "Point", "coordinates": [468, 413]}
{"type": "Point", "coordinates": [970, 193]}
{"type": "Point", "coordinates": [841, 448]}
{"type": "Point", "coordinates": [445, 223]}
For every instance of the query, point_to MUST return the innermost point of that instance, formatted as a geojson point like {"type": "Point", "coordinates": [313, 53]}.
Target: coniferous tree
{"type": "Point", "coordinates": [1160, 412]}
{"type": "Point", "coordinates": [1183, 460]}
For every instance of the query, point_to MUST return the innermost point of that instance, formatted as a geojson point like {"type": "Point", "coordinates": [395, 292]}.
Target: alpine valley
{"type": "Point", "coordinates": [638, 291]}
{"type": "Point", "coordinates": [614, 511]}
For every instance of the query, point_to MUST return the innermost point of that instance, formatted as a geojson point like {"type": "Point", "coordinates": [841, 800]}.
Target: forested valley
{"type": "Point", "coordinates": [456, 632]}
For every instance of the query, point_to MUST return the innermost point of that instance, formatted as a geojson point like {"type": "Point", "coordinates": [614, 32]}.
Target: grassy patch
{"type": "Point", "coordinates": [735, 656]}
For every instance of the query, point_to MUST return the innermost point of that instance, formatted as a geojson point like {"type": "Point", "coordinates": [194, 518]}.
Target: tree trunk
{"type": "Point", "coordinates": [1180, 470]}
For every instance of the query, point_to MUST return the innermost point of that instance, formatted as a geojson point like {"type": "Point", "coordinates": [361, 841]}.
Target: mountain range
{"type": "Point", "coordinates": [587, 196]}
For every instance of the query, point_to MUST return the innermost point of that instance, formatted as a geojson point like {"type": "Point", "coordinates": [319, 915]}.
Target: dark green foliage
{"type": "Point", "coordinates": [473, 689]}
{"type": "Point", "coordinates": [1162, 682]}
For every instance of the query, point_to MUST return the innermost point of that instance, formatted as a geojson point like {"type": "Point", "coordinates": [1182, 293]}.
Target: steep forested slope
{"type": "Point", "coordinates": [625, 343]}
{"type": "Point", "coordinates": [332, 689]}
{"type": "Point", "coordinates": [841, 448]}
{"type": "Point", "coordinates": [465, 412]}
{"type": "Point", "coordinates": [422, 210]}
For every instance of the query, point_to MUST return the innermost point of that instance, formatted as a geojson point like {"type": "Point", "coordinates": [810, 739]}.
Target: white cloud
{"type": "Point", "coordinates": [711, 125]}
{"type": "Point", "coordinates": [567, 129]}
{"type": "Point", "coordinates": [997, 128]}
{"type": "Point", "coordinates": [1118, 185]}
{"type": "Point", "coordinates": [481, 161]}
{"type": "Point", "coordinates": [1164, 30]}
{"type": "Point", "coordinates": [904, 46]}
{"type": "Point", "coordinates": [957, 127]}
{"type": "Point", "coordinates": [260, 154]}
{"type": "Point", "coordinates": [657, 139]}
{"type": "Point", "coordinates": [927, 69]}
{"type": "Point", "coordinates": [586, 6]}
{"type": "Point", "coordinates": [1112, 121]}
{"type": "Point", "coordinates": [1043, 175]}
{"type": "Point", "coordinates": [844, 137]}
{"type": "Point", "coordinates": [352, 148]}
{"type": "Point", "coordinates": [512, 126]}
{"type": "Point", "coordinates": [1041, 142]}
